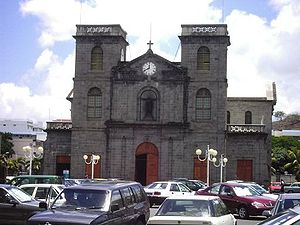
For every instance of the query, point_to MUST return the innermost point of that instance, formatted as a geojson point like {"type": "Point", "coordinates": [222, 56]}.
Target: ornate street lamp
{"type": "Point", "coordinates": [93, 160]}
{"type": "Point", "coordinates": [222, 163]}
{"type": "Point", "coordinates": [209, 155]}
{"type": "Point", "coordinates": [31, 153]}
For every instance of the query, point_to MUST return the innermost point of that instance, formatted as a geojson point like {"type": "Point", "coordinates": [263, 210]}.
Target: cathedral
{"type": "Point", "coordinates": [144, 119]}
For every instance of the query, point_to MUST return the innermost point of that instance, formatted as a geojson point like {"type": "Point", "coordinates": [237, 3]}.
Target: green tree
{"type": "Point", "coordinates": [286, 155]}
{"type": "Point", "coordinates": [279, 115]}
{"type": "Point", "coordinates": [6, 144]}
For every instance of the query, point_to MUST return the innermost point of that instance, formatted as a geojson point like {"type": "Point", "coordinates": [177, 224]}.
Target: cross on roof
{"type": "Point", "coordinates": [150, 43]}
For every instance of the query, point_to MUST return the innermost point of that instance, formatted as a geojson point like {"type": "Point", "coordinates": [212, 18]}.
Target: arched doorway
{"type": "Point", "coordinates": [146, 163]}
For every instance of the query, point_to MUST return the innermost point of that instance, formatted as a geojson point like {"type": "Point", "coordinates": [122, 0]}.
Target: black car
{"type": "Point", "coordinates": [111, 202]}
{"type": "Point", "coordinates": [16, 205]}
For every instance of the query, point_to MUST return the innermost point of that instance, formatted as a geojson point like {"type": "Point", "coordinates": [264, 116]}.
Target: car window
{"type": "Point", "coordinates": [214, 189]}
{"type": "Point", "coordinates": [185, 207]}
{"type": "Point", "coordinates": [138, 193]}
{"type": "Point", "coordinates": [174, 187]}
{"type": "Point", "coordinates": [158, 186]}
{"type": "Point", "coordinates": [116, 199]}
{"type": "Point", "coordinates": [225, 190]}
{"type": "Point", "coordinates": [29, 190]}
{"type": "Point", "coordinates": [219, 207]}
{"type": "Point", "coordinates": [41, 192]}
{"type": "Point", "coordinates": [184, 188]}
{"type": "Point", "coordinates": [82, 198]}
{"type": "Point", "coordinates": [19, 194]}
{"type": "Point", "coordinates": [127, 196]}
{"type": "Point", "coordinates": [244, 191]}
{"type": "Point", "coordinates": [4, 196]}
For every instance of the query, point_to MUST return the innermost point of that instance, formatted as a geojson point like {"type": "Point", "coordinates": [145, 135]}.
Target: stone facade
{"type": "Point", "coordinates": [146, 117]}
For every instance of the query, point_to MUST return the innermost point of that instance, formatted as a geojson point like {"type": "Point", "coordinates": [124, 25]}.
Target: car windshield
{"type": "Point", "coordinates": [259, 189]}
{"type": "Point", "coordinates": [82, 198]}
{"type": "Point", "coordinates": [244, 191]}
{"type": "Point", "coordinates": [19, 194]}
{"type": "Point", "coordinates": [176, 207]}
{"type": "Point", "coordinates": [157, 186]}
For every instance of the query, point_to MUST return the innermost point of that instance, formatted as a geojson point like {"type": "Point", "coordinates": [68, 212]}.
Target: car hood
{"type": "Point", "coordinates": [258, 198]}
{"type": "Point", "coordinates": [67, 216]}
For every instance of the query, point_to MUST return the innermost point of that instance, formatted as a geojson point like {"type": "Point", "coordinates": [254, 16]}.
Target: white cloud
{"type": "Point", "coordinates": [261, 51]}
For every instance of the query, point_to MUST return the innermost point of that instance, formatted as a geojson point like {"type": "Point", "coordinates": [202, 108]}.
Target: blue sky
{"type": "Point", "coordinates": [37, 48]}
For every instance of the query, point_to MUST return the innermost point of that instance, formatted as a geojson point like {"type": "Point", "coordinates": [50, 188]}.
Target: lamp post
{"type": "Point", "coordinates": [93, 160]}
{"type": "Point", "coordinates": [31, 153]}
{"type": "Point", "coordinates": [209, 155]}
{"type": "Point", "coordinates": [222, 163]}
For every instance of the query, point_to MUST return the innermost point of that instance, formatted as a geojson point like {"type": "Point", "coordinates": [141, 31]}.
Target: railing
{"type": "Point", "coordinates": [59, 125]}
{"type": "Point", "coordinates": [245, 128]}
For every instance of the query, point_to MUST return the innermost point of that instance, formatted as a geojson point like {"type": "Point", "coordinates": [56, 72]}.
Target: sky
{"type": "Point", "coordinates": [38, 51]}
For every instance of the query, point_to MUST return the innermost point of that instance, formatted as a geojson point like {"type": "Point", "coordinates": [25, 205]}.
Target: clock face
{"type": "Point", "coordinates": [149, 68]}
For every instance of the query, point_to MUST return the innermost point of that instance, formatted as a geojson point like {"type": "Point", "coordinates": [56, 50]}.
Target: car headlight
{"type": "Point", "coordinates": [257, 204]}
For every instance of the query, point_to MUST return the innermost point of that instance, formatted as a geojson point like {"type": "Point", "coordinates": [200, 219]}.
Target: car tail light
{"type": "Point", "coordinates": [157, 193]}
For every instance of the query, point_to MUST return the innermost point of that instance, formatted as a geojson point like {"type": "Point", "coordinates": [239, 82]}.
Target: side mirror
{"type": "Point", "coordinates": [267, 213]}
{"type": "Point", "coordinates": [114, 207]}
{"type": "Point", "coordinates": [13, 202]}
{"type": "Point", "coordinates": [229, 194]}
{"type": "Point", "coordinates": [43, 205]}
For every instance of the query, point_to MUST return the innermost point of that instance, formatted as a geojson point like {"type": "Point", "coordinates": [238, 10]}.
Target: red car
{"type": "Point", "coordinates": [240, 198]}
{"type": "Point", "coordinates": [275, 186]}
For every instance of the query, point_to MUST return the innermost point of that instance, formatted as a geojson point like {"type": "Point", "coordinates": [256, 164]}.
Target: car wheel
{"type": "Point", "coordinates": [243, 212]}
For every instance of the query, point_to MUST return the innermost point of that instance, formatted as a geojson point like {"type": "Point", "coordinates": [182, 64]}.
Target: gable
{"type": "Point", "coordinates": [163, 70]}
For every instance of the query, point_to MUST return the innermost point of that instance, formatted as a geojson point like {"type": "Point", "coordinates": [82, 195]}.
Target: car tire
{"type": "Point", "coordinates": [243, 212]}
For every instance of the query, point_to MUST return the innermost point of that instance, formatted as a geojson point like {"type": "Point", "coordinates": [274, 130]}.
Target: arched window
{"type": "Point", "coordinates": [203, 104]}
{"type": "Point", "coordinates": [228, 117]}
{"type": "Point", "coordinates": [248, 117]}
{"type": "Point", "coordinates": [97, 58]}
{"type": "Point", "coordinates": [148, 105]}
{"type": "Point", "coordinates": [94, 103]}
{"type": "Point", "coordinates": [203, 58]}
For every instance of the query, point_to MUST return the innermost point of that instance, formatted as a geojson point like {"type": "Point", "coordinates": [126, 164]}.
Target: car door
{"type": "Point", "coordinates": [11, 211]}
{"type": "Point", "coordinates": [117, 213]}
{"type": "Point", "coordinates": [228, 197]}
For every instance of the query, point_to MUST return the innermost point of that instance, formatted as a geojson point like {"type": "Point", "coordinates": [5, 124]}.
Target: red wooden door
{"type": "Point", "coordinates": [200, 170]}
{"type": "Point", "coordinates": [244, 170]}
{"type": "Point", "coordinates": [151, 166]}
{"type": "Point", "coordinates": [97, 168]}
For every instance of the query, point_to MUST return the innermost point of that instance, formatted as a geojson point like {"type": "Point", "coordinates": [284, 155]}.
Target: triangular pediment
{"type": "Point", "coordinates": [163, 69]}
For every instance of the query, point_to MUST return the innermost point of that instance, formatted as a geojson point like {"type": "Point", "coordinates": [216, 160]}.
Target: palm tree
{"type": "Point", "coordinates": [293, 165]}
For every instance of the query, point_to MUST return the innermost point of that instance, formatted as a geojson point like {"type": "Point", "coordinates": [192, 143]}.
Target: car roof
{"type": "Point", "coordinates": [6, 185]}
{"type": "Point", "coordinates": [289, 196]}
{"type": "Point", "coordinates": [36, 176]}
{"type": "Point", "coordinates": [105, 185]}
{"type": "Point", "coordinates": [194, 197]}
{"type": "Point", "coordinates": [41, 185]}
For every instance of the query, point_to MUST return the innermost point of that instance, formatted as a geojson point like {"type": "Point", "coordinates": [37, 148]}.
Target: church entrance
{"type": "Point", "coordinates": [146, 163]}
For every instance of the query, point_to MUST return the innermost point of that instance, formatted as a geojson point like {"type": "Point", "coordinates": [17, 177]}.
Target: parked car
{"type": "Point", "coordinates": [43, 192]}
{"type": "Point", "coordinates": [288, 217]}
{"type": "Point", "coordinates": [111, 202]}
{"type": "Point", "coordinates": [158, 191]}
{"type": "Point", "coordinates": [275, 187]}
{"type": "Point", "coordinates": [193, 210]}
{"type": "Point", "coordinates": [240, 199]}
{"type": "Point", "coordinates": [16, 205]}
{"type": "Point", "coordinates": [36, 179]}
{"type": "Point", "coordinates": [292, 188]}
{"type": "Point", "coordinates": [191, 184]}
{"type": "Point", "coordinates": [284, 202]}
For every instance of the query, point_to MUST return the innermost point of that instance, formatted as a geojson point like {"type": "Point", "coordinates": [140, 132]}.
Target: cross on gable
{"type": "Point", "coordinates": [150, 43]}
